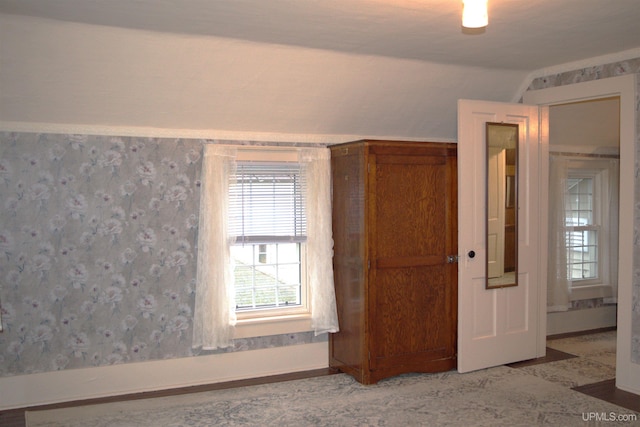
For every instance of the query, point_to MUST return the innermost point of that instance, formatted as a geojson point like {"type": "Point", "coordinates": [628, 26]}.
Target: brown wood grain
{"type": "Point", "coordinates": [397, 295]}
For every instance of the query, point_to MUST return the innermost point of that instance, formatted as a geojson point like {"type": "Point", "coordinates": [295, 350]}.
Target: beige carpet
{"type": "Point", "coordinates": [501, 396]}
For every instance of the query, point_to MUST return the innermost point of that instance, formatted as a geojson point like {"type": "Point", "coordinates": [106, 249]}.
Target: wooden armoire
{"type": "Point", "coordinates": [395, 264]}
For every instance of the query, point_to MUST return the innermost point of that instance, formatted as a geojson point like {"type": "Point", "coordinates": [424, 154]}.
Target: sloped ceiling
{"type": "Point", "coordinates": [523, 37]}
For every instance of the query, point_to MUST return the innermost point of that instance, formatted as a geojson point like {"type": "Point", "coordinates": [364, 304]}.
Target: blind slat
{"type": "Point", "coordinates": [266, 202]}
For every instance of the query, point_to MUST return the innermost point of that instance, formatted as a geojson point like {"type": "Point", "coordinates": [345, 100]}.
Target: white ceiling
{"type": "Point", "coordinates": [522, 35]}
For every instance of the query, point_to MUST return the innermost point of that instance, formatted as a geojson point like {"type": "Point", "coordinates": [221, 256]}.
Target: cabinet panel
{"type": "Point", "coordinates": [348, 191]}
{"type": "Point", "coordinates": [397, 307]}
{"type": "Point", "coordinates": [410, 206]}
{"type": "Point", "coordinates": [412, 321]}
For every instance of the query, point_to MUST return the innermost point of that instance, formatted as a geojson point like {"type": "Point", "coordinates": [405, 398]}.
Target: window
{"type": "Point", "coordinates": [591, 229]}
{"type": "Point", "coordinates": [268, 223]}
{"type": "Point", "coordinates": [261, 265]}
{"type": "Point", "coordinates": [583, 228]}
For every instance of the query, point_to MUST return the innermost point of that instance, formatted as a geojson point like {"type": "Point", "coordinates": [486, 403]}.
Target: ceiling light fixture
{"type": "Point", "coordinates": [474, 13]}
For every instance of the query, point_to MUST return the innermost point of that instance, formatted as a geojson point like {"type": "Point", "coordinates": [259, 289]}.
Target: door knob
{"type": "Point", "coordinates": [472, 254]}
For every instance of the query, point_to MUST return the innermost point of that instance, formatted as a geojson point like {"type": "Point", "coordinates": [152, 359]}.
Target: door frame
{"type": "Point", "coordinates": [627, 372]}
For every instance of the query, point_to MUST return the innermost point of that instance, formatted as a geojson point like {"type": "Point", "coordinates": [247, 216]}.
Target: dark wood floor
{"type": "Point", "coordinates": [552, 355]}
{"type": "Point", "coordinates": [607, 391]}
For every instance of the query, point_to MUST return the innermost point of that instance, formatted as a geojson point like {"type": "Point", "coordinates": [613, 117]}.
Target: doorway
{"type": "Point", "coordinates": [584, 148]}
{"type": "Point", "coordinates": [627, 371]}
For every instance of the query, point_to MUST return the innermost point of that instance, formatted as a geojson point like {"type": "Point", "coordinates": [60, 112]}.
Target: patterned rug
{"type": "Point", "coordinates": [501, 396]}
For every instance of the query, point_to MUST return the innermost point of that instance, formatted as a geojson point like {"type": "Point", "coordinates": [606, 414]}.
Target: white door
{"type": "Point", "coordinates": [497, 326]}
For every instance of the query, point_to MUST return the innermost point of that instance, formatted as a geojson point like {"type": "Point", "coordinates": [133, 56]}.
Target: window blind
{"type": "Point", "coordinates": [266, 203]}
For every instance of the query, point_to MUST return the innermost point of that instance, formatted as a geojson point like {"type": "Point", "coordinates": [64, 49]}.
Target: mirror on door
{"type": "Point", "coordinates": [502, 205]}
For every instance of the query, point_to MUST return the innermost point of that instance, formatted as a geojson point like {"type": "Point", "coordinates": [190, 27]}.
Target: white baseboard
{"type": "Point", "coordinates": [581, 320]}
{"type": "Point", "coordinates": [88, 383]}
{"type": "Point", "coordinates": [628, 385]}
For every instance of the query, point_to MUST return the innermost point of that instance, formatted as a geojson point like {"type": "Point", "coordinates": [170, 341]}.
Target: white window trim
{"type": "Point", "coordinates": [601, 290]}
{"type": "Point", "coordinates": [274, 321]}
{"type": "Point", "coordinates": [266, 314]}
{"type": "Point", "coordinates": [278, 325]}
{"type": "Point", "coordinates": [595, 288]}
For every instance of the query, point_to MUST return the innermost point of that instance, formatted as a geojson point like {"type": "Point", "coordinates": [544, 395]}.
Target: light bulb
{"type": "Point", "coordinates": [474, 13]}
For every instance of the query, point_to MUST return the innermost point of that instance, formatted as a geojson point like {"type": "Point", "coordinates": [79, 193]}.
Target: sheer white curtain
{"type": "Point", "coordinates": [316, 165]}
{"type": "Point", "coordinates": [559, 286]}
{"type": "Point", "coordinates": [214, 313]}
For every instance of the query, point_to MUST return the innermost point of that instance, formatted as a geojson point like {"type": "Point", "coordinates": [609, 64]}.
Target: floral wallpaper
{"type": "Point", "coordinates": [98, 251]}
{"type": "Point", "coordinates": [97, 238]}
{"type": "Point", "coordinates": [596, 73]}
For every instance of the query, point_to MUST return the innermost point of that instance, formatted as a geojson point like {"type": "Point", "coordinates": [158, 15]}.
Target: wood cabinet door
{"type": "Point", "coordinates": [412, 286]}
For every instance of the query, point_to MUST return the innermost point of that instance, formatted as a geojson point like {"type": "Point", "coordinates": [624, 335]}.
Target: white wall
{"type": "Point", "coordinates": [79, 384]}
{"type": "Point", "coordinates": [66, 73]}
{"type": "Point", "coordinates": [586, 125]}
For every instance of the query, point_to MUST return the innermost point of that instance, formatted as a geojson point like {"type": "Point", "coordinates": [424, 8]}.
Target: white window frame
{"type": "Point", "coordinates": [595, 226]}
{"type": "Point", "coordinates": [303, 308]}
{"type": "Point", "coordinates": [598, 287]}
{"type": "Point", "coordinates": [252, 323]}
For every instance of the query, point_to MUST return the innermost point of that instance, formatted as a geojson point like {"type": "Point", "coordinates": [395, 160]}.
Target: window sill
{"type": "Point", "coordinates": [276, 325]}
{"type": "Point", "coordinates": [590, 292]}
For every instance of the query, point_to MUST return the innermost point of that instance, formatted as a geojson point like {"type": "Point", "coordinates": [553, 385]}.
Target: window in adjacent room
{"type": "Point", "coordinates": [583, 228]}
{"type": "Point", "coordinates": [590, 202]}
